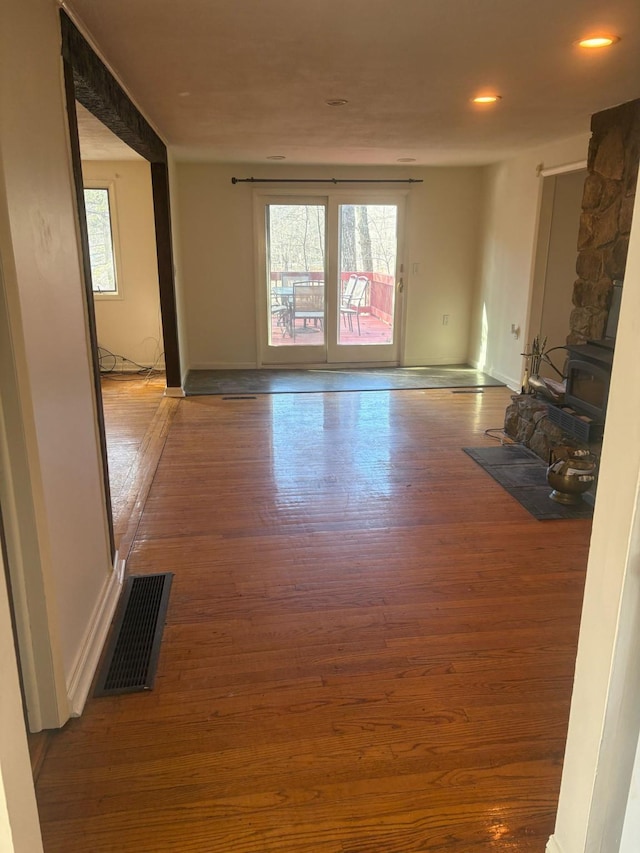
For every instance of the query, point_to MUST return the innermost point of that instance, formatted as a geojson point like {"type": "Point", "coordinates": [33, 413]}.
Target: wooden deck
{"type": "Point", "coordinates": [369, 648]}
{"type": "Point", "coordinates": [372, 331]}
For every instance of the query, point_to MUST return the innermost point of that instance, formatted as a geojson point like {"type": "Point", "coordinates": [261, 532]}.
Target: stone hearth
{"type": "Point", "coordinates": [527, 422]}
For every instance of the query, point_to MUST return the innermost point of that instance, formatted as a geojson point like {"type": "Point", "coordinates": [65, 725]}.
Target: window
{"type": "Point", "coordinates": [100, 228]}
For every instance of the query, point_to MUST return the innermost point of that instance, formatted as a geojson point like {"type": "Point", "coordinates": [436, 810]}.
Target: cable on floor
{"type": "Point", "coordinates": [502, 437]}
{"type": "Point", "coordinates": [113, 366]}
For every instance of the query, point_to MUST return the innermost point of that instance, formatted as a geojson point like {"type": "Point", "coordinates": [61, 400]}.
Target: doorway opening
{"type": "Point", "coordinates": [124, 277]}
{"type": "Point", "coordinates": [90, 84]}
{"type": "Point", "coordinates": [555, 264]}
{"type": "Point", "coordinates": [118, 200]}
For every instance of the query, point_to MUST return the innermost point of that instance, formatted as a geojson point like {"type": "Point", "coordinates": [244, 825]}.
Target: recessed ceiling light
{"type": "Point", "coordinates": [406, 160]}
{"type": "Point", "coordinates": [276, 157]}
{"type": "Point", "coordinates": [336, 102]}
{"type": "Point", "coordinates": [487, 99]}
{"type": "Point", "coordinates": [598, 41]}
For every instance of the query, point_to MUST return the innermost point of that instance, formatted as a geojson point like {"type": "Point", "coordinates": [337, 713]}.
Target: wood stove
{"type": "Point", "coordinates": [589, 366]}
{"type": "Point", "coordinates": [588, 378]}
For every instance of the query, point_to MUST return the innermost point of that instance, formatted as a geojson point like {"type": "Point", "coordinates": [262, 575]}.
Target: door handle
{"type": "Point", "coordinates": [400, 285]}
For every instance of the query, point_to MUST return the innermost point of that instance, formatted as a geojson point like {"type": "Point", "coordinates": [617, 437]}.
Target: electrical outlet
{"type": "Point", "coordinates": [445, 319]}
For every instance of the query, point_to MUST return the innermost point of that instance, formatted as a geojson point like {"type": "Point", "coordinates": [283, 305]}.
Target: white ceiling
{"type": "Point", "coordinates": [239, 80]}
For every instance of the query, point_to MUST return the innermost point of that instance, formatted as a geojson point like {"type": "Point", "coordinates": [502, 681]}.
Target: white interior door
{"type": "Point", "coordinates": [329, 279]}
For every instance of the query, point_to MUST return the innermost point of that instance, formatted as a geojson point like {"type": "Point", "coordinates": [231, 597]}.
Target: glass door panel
{"type": "Point", "coordinates": [296, 277]}
{"type": "Point", "coordinates": [368, 260]}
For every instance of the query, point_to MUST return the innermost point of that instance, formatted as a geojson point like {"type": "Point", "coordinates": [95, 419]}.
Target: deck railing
{"type": "Point", "coordinates": [379, 296]}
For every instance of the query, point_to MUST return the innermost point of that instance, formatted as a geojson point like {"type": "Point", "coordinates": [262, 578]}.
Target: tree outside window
{"type": "Point", "coordinates": [103, 268]}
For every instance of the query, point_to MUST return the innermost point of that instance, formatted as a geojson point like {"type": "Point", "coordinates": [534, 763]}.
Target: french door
{"type": "Point", "coordinates": [329, 278]}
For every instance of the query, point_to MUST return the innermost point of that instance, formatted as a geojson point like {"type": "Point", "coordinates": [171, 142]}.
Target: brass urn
{"type": "Point", "coordinates": [570, 473]}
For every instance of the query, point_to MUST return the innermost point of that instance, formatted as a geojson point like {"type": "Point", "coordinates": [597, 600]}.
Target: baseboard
{"type": "Point", "coordinates": [119, 566]}
{"type": "Point", "coordinates": [89, 657]}
{"type": "Point", "coordinates": [136, 367]}
{"type": "Point", "coordinates": [224, 365]}
{"type": "Point", "coordinates": [553, 846]}
{"type": "Point", "coordinates": [337, 365]}
{"type": "Point", "coordinates": [435, 362]}
{"type": "Point", "coordinates": [509, 381]}
{"type": "Point", "coordinates": [174, 392]}
{"type": "Point", "coordinates": [39, 743]}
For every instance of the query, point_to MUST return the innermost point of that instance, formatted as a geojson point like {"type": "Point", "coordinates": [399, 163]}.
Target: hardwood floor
{"type": "Point", "coordinates": [369, 645]}
{"type": "Point", "coordinates": [137, 420]}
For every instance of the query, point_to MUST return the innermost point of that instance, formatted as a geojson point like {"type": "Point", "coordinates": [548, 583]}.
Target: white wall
{"type": "Point", "coordinates": [49, 389]}
{"type": "Point", "coordinates": [215, 224]}
{"type": "Point", "coordinates": [510, 219]}
{"type": "Point", "coordinates": [443, 238]}
{"type": "Point", "coordinates": [604, 723]}
{"type": "Point", "coordinates": [130, 324]}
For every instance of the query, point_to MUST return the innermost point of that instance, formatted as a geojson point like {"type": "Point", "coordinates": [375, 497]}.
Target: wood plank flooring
{"type": "Point", "coordinates": [137, 420]}
{"type": "Point", "coordinates": [369, 647]}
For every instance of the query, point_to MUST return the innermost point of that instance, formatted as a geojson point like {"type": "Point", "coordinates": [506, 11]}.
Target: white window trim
{"type": "Point", "coordinates": [110, 186]}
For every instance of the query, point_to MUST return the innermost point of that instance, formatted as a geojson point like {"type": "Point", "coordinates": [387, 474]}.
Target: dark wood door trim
{"type": "Point", "coordinates": [86, 270]}
{"type": "Point", "coordinates": [164, 250]}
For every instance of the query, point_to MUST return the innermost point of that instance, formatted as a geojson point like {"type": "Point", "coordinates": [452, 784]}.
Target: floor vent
{"type": "Point", "coordinates": [131, 657]}
{"type": "Point", "coordinates": [241, 397]}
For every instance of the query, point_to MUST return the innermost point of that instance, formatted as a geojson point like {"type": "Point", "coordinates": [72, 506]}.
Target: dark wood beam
{"type": "Point", "coordinates": [97, 90]}
{"type": "Point", "coordinates": [164, 251]}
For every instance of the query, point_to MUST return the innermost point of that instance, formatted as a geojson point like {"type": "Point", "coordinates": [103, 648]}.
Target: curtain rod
{"type": "Point", "coordinates": [546, 172]}
{"type": "Point", "coordinates": [326, 181]}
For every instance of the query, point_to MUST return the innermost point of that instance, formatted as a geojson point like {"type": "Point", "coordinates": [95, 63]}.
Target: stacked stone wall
{"type": "Point", "coordinates": [605, 223]}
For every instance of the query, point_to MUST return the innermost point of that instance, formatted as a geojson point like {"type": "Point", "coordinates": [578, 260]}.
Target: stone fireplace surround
{"type": "Point", "coordinates": [603, 241]}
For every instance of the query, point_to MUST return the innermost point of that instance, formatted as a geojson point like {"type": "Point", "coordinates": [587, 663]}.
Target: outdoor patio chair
{"type": "Point", "coordinates": [350, 306]}
{"type": "Point", "coordinates": [280, 311]}
{"type": "Point", "coordinates": [308, 303]}
{"type": "Point", "coordinates": [347, 290]}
